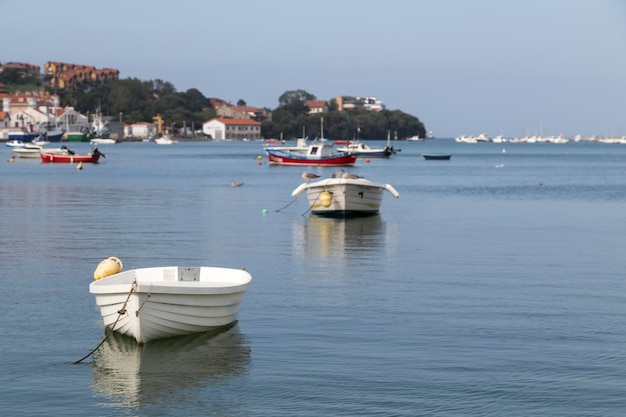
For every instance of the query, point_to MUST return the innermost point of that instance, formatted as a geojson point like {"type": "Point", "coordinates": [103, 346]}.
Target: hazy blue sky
{"type": "Point", "coordinates": [463, 67]}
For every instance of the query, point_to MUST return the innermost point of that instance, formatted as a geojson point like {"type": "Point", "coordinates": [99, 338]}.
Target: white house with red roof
{"type": "Point", "coordinates": [222, 128]}
{"type": "Point", "coordinates": [317, 106]}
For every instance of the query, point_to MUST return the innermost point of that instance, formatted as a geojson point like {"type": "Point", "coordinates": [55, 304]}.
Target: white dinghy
{"type": "Point", "coordinates": [155, 303]}
{"type": "Point", "coordinates": [344, 195]}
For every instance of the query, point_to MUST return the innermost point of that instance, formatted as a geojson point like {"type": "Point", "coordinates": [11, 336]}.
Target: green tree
{"type": "Point", "coordinates": [293, 96]}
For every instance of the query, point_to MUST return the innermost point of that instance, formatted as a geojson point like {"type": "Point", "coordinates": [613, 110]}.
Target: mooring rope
{"type": "Point", "coordinates": [144, 301]}
{"type": "Point", "coordinates": [314, 201]}
{"type": "Point", "coordinates": [120, 313]}
{"type": "Point", "coordinates": [290, 203]}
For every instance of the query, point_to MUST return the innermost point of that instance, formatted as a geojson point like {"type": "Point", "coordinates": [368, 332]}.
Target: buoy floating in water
{"type": "Point", "coordinates": [109, 266]}
{"type": "Point", "coordinates": [79, 166]}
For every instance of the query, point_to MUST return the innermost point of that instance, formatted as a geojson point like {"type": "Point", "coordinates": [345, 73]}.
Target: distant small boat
{"type": "Point", "coordinates": [317, 154]}
{"type": "Point", "coordinates": [274, 142]}
{"type": "Point", "coordinates": [33, 151]}
{"type": "Point", "coordinates": [15, 143]}
{"type": "Point", "coordinates": [363, 150]}
{"type": "Point", "coordinates": [70, 157]}
{"type": "Point", "coordinates": [103, 141]}
{"type": "Point", "coordinates": [436, 157]}
{"type": "Point", "coordinates": [165, 140]}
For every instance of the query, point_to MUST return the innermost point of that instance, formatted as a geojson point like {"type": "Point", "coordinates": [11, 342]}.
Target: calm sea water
{"type": "Point", "coordinates": [494, 286]}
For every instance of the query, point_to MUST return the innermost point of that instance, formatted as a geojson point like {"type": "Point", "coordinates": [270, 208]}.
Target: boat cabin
{"type": "Point", "coordinates": [319, 150]}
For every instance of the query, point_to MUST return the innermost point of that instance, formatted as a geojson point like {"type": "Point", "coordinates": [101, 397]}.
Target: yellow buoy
{"type": "Point", "coordinates": [326, 198]}
{"type": "Point", "coordinates": [108, 267]}
{"type": "Point", "coordinates": [79, 166]}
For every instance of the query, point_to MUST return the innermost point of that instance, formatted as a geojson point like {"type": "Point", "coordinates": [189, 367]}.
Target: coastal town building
{"type": "Point", "coordinates": [31, 111]}
{"type": "Point", "coordinates": [22, 68]}
{"type": "Point", "coordinates": [367, 103]}
{"type": "Point", "coordinates": [222, 128]}
{"type": "Point", "coordinates": [63, 75]}
{"type": "Point", "coordinates": [140, 130]}
{"type": "Point", "coordinates": [317, 106]}
{"type": "Point", "coordinates": [242, 112]}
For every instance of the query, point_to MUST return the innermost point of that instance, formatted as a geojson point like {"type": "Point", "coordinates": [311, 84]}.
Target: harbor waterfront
{"type": "Point", "coordinates": [494, 286]}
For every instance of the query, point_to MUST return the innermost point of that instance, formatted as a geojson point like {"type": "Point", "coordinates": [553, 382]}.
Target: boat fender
{"type": "Point", "coordinates": [326, 198]}
{"type": "Point", "coordinates": [109, 266]}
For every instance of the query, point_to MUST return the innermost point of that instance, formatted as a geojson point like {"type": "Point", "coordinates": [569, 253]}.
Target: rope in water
{"type": "Point", "coordinates": [120, 313]}
{"type": "Point", "coordinates": [290, 203]}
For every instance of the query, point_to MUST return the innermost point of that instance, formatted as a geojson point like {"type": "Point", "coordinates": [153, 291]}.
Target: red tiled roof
{"type": "Point", "coordinates": [245, 109]}
{"type": "Point", "coordinates": [231, 122]}
{"type": "Point", "coordinates": [315, 103]}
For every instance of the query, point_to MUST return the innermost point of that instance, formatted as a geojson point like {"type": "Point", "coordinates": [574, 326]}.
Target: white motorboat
{"type": "Point", "coordinates": [33, 151]}
{"type": "Point", "coordinates": [363, 150]}
{"type": "Point", "coordinates": [344, 195]}
{"type": "Point", "coordinates": [102, 141]}
{"type": "Point", "coordinates": [15, 143]}
{"type": "Point", "coordinates": [301, 147]}
{"type": "Point", "coordinates": [154, 303]}
{"type": "Point", "coordinates": [165, 140]}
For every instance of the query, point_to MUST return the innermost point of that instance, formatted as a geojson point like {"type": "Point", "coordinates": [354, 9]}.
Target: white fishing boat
{"type": "Point", "coordinates": [344, 195]}
{"type": "Point", "coordinates": [102, 141]}
{"type": "Point", "coordinates": [33, 151]}
{"type": "Point", "coordinates": [155, 303]}
{"type": "Point", "coordinates": [363, 150]}
{"type": "Point", "coordinates": [165, 140]}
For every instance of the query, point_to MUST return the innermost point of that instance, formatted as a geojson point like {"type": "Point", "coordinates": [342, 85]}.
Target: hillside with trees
{"type": "Point", "coordinates": [132, 100]}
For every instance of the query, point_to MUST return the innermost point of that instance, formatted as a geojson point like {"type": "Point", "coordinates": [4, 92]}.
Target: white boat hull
{"type": "Point", "coordinates": [34, 151]}
{"type": "Point", "coordinates": [349, 197]}
{"type": "Point", "coordinates": [170, 301]}
{"type": "Point", "coordinates": [102, 141]}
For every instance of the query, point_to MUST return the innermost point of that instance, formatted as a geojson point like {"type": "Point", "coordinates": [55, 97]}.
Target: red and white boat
{"type": "Point", "coordinates": [71, 157]}
{"type": "Point", "coordinates": [319, 153]}
{"type": "Point", "coordinates": [274, 142]}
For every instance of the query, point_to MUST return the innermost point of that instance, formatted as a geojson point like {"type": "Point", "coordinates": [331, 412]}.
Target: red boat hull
{"type": "Point", "coordinates": [340, 160]}
{"type": "Point", "coordinates": [70, 159]}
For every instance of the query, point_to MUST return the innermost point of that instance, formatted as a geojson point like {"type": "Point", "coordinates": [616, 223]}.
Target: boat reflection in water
{"type": "Point", "coordinates": [341, 238]}
{"type": "Point", "coordinates": [164, 371]}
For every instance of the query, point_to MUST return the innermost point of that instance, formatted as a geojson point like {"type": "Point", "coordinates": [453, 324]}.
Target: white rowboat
{"type": "Point", "coordinates": [344, 197]}
{"type": "Point", "coordinates": [155, 303]}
